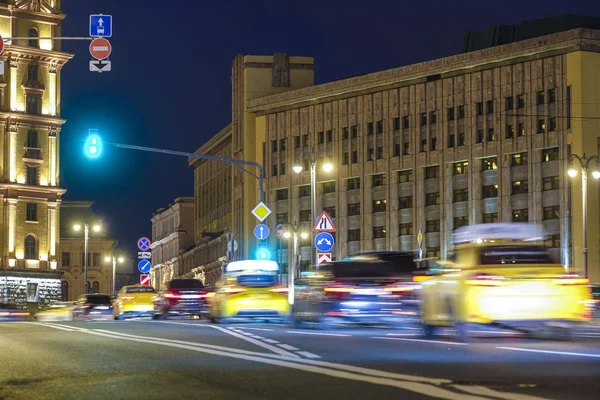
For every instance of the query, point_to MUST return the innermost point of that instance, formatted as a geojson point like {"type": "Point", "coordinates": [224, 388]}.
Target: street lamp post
{"type": "Point", "coordinates": [86, 234]}
{"type": "Point", "coordinates": [584, 163]}
{"type": "Point", "coordinates": [312, 158]}
{"type": "Point", "coordinates": [293, 267]}
{"type": "Point", "coordinates": [114, 259]}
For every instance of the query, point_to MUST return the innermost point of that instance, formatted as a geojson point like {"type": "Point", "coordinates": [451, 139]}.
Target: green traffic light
{"type": "Point", "coordinates": [93, 146]}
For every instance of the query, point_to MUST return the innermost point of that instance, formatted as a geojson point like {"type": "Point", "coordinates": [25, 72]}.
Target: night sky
{"type": "Point", "coordinates": [170, 86]}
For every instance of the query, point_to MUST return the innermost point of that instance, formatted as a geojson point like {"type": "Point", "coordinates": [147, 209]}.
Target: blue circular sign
{"type": "Point", "coordinates": [143, 244]}
{"type": "Point", "coordinates": [144, 266]}
{"type": "Point", "coordinates": [324, 242]}
{"type": "Point", "coordinates": [261, 231]}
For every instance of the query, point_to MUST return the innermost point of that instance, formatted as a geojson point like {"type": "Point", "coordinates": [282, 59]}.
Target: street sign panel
{"type": "Point", "coordinates": [232, 246]}
{"type": "Point", "coordinates": [144, 255]}
{"type": "Point", "coordinates": [100, 48]}
{"type": "Point", "coordinates": [100, 66]}
{"type": "Point", "coordinates": [144, 266]}
{"type": "Point", "coordinates": [1, 45]}
{"type": "Point", "coordinates": [145, 279]}
{"type": "Point", "coordinates": [279, 231]}
{"type": "Point", "coordinates": [324, 242]}
{"type": "Point", "coordinates": [323, 258]}
{"type": "Point", "coordinates": [144, 244]}
{"type": "Point", "coordinates": [420, 237]}
{"type": "Point", "coordinates": [261, 211]}
{"type": "Point", "coordinates": [324, 223]}
{"type": "Point", "coordinates": [261, 231]}
{"type": "Point", "coordinates": [100, 25]}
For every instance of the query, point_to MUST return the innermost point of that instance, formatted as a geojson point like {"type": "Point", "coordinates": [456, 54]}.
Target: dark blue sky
{"type": "Point", "coordinates": [170, 85]}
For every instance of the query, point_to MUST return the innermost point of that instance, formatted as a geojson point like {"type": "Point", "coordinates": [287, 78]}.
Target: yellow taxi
{"type": "Point", "coordinates": [250, 289]}
{"type": "Point", "coordinates": [499, 274]}
{"type": "Point", "coordinates": [134, 301]}
{"type": "Point", "coordinates": [57, 311]}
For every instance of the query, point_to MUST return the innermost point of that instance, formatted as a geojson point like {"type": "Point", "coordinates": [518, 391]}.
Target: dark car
{"type": "Point", "coordinates": [183, 297]}
{"type": "Point", "coordinates": [10, 312]}
{"type": "Point", "coordinates": [376, 287]}
{"type": "Point", "coordinates": [93, 306]}
{"type": "Point", "coordinates": [596, 296]}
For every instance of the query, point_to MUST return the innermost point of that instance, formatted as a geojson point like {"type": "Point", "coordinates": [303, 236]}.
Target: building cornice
{"type": "Point", "coordinates": [167, 239]}
{"type": "Point", "coordinates": [31, 119]}
{"type": "Point", "coordinates": [15, 51]}
{"type": "Point", "coordinates": [18, 189]}
{"type": "Point", "coordinates": [55, 17]}
{"type": "Point", "coordinates": [212, 145]}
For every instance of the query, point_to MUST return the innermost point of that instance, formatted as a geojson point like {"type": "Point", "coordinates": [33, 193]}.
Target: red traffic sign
{"type": "Point", "coordinates": [144, 244]}
{"type": "Point", "coordinates": [100, 48]}
{"type": "Point", "coordinates": [145, 279]}
{"type": "Point", "coordinates": [1, 45]}
{"type": "Point", "coordinates": [324, 223]}
{"type": "Point", "coordinates": [279, 231]}
{"type": "Point", "coordinates": [323, 258]}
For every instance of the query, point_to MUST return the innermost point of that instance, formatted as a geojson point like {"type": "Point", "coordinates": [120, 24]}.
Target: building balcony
{"type": "Point", "coordinates": [32, 154]}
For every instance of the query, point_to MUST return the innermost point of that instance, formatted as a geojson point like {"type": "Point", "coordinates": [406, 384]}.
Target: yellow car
{"type": "Point", "coordinates": [57, 311]}
{"type": "Point", "coordinates": [134, 301]}
{"type": "Point", "coordinates": [500, 275]}
{"type": "Point", "coordinates": [250, 289]}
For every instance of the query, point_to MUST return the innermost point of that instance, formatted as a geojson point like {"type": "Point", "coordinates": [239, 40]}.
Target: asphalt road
{"type": "Point", "coordinates": [144, 359]}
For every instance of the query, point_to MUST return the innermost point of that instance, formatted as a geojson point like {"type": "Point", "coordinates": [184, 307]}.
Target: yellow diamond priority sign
{"type": "Point", "coordinates": [261, 211]}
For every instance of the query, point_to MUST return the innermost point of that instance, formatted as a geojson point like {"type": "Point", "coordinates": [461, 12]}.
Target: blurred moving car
{"type": "Point", "coordinates": [596, 302]}
{"type": "Point", "coordinates": [250, 289]}
{"type": "Point", "coordinates": [500, 275]}
{"type": "Point", "coordinates": [182, 297]}
{"type": "Point", "coordinates": [10, 312]}
{"type": "Point", "coordinates": [93, 307]}
{"type": "Point", "coordinates": [57, 311]}
{"type": "Point", "coordinates": [134, 301]}
{"type": "Point", "coordinates": [372, 287]}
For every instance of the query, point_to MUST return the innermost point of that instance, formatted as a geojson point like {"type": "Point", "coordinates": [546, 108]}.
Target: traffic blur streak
{"type": "Point", "coordinates": [57, 311]}
{"type": "Point", "coordinates": [134, 301]}
{"type": "Point", "coordinates": [93, 307]}
{"type": "Point", "coordinates": [10, 312]}
{"type": "Point", "coordinates": [182, 298]}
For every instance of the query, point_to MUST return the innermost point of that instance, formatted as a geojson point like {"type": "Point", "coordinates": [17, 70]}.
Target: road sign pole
{"type": "Point", "coordinates": [313, 208]}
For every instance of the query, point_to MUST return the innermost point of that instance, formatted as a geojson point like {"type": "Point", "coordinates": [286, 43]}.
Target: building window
{"type": "Point", "coordinates": [396, 124]}
{"type": "Point", "coordinates": [329, 136]}
{"type": "Point", "coordinates": [518, 159]}
{"type": "Point", "coordinates": [510, 131]}
{"type": "Point", "coordinates": [297, 142]}
{"type": "Point", "coordinates": [550, 154]}
{"type": "Point", "coordinates": [32, 212]}
{"type": "Point", "coordinates": [378, 180]}
{"type": "Point", "coordinates": [541, 126]}
{"type": "Point", "coordinates": [540, 97]}
{"type": "Point", "coordinates": [405, 202]}
{"type": "Point", "coordinates": [423, 119]}
{"type": "Point", "coordinates": [32, 139]}
{"type": "Point", "coordinates": [89, 259]}
{"type": "Point", "coordinates": [423, 145]}
{"type": "Point", "coordinates": [520, 215]}
{"type": "Point", "coordinates": [379, 205]}
{"type": "Point", "coordinates": [432, 226]}
{"type": "Point", "coordinates": [552, 241]}
{"type": "Point", "coordinates": [490, 218]}
{"type": "Point", "coordinates": [461, 139]}
{"type": "Point", "coordinates": [406, 229]}
{"type": "Point", "coordinates": [32, 292]}
{"type": "Point", "coordinates": [379, 232]}
{"type": "Point", "coordinates": [489, 191]}
{"type": "Point", "coordinates": [328, 187]}
{"type": "Point", "coordinates": [379, 127]}
{"type": "Point", "coordinates": [490, 135]}
{"type": "Point", "coordinates": [379, 153]}
{"type": "Point", "coordinates": [479, 108]}
{"type": "Point", "coordinates": [345, 133]}
{"type": "Point", "coordinates": [433, 117]}
{"type": "Point", "coordinates": [396, 149]}
{"type": "Point", "coordinates": [370, 152]}
{"type": "Point", "coordinates": [461, 195]}
{"type": "Point", "coordinates": [460, 168]}
{"type": "Point", "coordinates": [96, 259]}
{"type": "Point", "coordinates": [275, 170]}
{"type": "Point", "coordinates": [64, 291]}
{"type": "Point", "coordinates": [66, 259]}
{"type": "Point", "coordinates": [352, 183]}
{"type": "Point", "coordinates": [405, 122]}
{"type": "Point", "coordinates": [405, 176]}
{"type": "Point", "coordinates": [345, 158]}
{"type": "Point", "coordinates": [551, 95]}
{"type": "Point", "coordinates": [305, 216]}
{"type": "Point", "coordinates": [304, 191]}
{"type": "Point", "coordinates": [519, 187]}
{"type": "Point", "coordinates": [96, 287]}
{"type": "Point", "coordinates": [330, 211]}
{"type": "Point", "coordinates": [406, 149]}
{"type": "Point", "coordinates": [460, 222]}
{"type": "Point", "coordinates": [273, 146]}
{"type": "Point", "coordinates": [432, 252]}
{"type": "Point", "coordinates": [32, 73]}
{"type": "Point", "coordinates": [281, 144]}
{"type": "Point", "coordinates": [282, 169]}
{"type": "Point", "coordinates": [33, 104]}
{"type": "Point", "coordinates": [370, 130]}
{"type": "Point", "coordinates": [509, 103]}
{"type": "Point", "coordinates": [479, 137]}
{"type": "Point", "coordinates": [461, 112]}
{"type": "Point", "coordinates": [321, 137]}
{"type": "Point", "coordinates": [32, 175]}
{"type": "Point", "coordinates": [305, 140]}
{"type": "Point", "coordinates": [551, 183]}
{"type": "Point", "coordinates": [31, 250]}
{"type": "Point", "coordinates": [353, 235]}
{"type": "Point", "coordinates": [433, 144]}
{"type": "Point", "coordinates": [353, 209]}
{"type": "Point", "coordinates": [489, 106]}
{"type": "Point", "coordinates": [281, 194]}
{"type": "Point", "coordinates": [521, 129]}
{"type": "Point", "coordinates": [432, 199]}
{"type": "Point", "coordinates": [354, 131]}
{"type": "Point", "coordinates": [282, 218]}
{"type": "Point", "coordinates": [520, 101]}
{"type": "Point", "coordinates": [33, 38]}
{"type": "Point", "coordinates": [552, 124]}
{"type": "Point", "coordinates": [489, 164]}
{"type": "Point", "coordinates": [450, 113]}
{"type": "Point", "coordinates": [552, 212]}
{"type": "Point", "coordinates": [451, 143]}
{"type": "Point", "coordinates": [354, 157]}
{"type": "Point", "coordinates": [432, 172]}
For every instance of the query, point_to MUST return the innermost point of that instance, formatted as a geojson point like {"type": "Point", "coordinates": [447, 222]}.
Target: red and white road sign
{"type": "Point", "coordinates": [145, 279]}
{"type": "Point", "coordinates": [100, 48]}
{"type": "Point", "coordinates": [1, 45]}
{"type": "Point", "coordinates": [323, 258]}
{"type": "Point", "coordinates": [324, 223]}
{"type": "Point", "coordinates": [279, 231]}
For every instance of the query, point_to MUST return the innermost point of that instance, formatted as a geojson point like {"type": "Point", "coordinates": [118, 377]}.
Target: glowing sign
{"type": "Point", "coordinates": [249, 266]}
{"type": "Point", "coordinates": [499, 231]}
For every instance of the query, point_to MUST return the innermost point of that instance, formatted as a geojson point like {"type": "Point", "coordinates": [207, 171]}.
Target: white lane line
{"type": "Point", "coordinates": [307, 354]}
{"type": "Point", "coordinates": [259, 329]}
{"type": "Point", "coordinates": [401, 334]}
{"type": "Point", "coordinates": [420, 340]}
{"type": "Point", "coordinates": [52, 326]}
{"type": "Point", "coordinates": [483, 391]}
{"type": "Point", "coordinates": [271, 341]}
{"type": "Point", "coordinates": [560, 353]}
{"type": "Point", "coordinates": [288, 347]}
{"type": "Point", "coordinates": [317, 333]}
{"type": "Point", "coordinates": [416, 387]}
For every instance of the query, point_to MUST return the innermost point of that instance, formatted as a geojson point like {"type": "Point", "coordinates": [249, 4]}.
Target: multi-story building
{"type": "Point", "coordinates": [72, 251]}
{"type": "Point", "coordinates": [482, 136]}
{"type": "Point", "coordinates": [30, 193]}
{"type": "Point", "coordinates": [172, 235]}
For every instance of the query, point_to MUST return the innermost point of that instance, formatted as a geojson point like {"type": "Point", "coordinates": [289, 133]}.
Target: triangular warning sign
{"type": "Point", "coordinates": [324, 223]}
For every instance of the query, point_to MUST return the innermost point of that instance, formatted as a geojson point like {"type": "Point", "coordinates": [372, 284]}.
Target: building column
{"type": "Point", "coordinates": [12, 225]}
{"type": "Point", "coordinates": [53, 157]}
{"type": "Point", "coordinates": [12, 146]}
{"type": "Point", "coordinates": [13, 85]}
{"type": "Point", "coordinates": [52, 229]}
{"type": "Point", "coordinates": [52, 90]}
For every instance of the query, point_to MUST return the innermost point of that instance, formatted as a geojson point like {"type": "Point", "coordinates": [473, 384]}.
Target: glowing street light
{"type": "Point", "coordinates": [114, 259]}
{"type": "Point", "coordinates": [293, 267]}
{"type": "Point", "coordinates": [86, 234]}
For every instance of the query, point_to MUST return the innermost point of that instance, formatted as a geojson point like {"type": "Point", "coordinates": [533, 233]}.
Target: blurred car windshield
{"type": "Point", "coordinates": [186, 284]}
{"type": "Point", "coordinates": [384, 265]}
{"type": "Point", "coordinates": [98, 299]}
{"type": "Point", "coordinates": [257, 281]}
{"type": "Point", "coordinates": [515, 255]}
{"type": "Point", "coordinates": [140, 290]}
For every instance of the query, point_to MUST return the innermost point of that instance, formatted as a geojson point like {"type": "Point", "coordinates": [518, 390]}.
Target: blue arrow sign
{"type": "Point", "coordinates": [261, 231]}
{"type": "Point", "coordinates": [100, 25]}
{"type": "Point", "coordinates": [144, 266]}
{"type": "Point", "coordinates": [324, 242]}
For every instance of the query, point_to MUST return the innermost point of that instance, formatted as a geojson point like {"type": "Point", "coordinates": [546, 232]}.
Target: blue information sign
{"type": "Point", "coordinates": [261, 231]}
{"type": "Point", "coordinates": [144, 266]}
{"type": "Point", "coordinates": [100, 25]}
{"type": "Point", "coordinates": [324, 242]}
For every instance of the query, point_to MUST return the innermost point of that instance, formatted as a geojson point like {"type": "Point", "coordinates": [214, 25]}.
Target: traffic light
{"type": "Point", "coordinates": [93, 146]}
{"type": "Point", "coordinates": [263, 252]}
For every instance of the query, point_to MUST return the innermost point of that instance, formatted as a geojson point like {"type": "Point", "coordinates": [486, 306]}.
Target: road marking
{"type": "Point", "coordinates": [52, 326]}
{"type": "Point", "coordinates": [288, 347]}
{"type": "Point", "coordinates": [401, 334]}
{"type": "Point", "coordinates": [561, 353]}
{"type": "Point", "coordinates": [420, 340]}
{"type": "Point", "coordinates": [271, 341]}
{"type": "Point", "coordinates": [307, 354]}
{"type": "Point", "coordinates": [483, 391]}
{"type": "Point", "coordinates": [259, 329]}
{"type": "Point", "coordinates": [316, 333]}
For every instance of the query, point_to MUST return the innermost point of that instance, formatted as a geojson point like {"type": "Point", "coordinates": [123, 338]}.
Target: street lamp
{"type": "Point", "coordinates": [327, 167]}
{"type": "Point", "coordinates": [86, 234]}
{"type": "Point", "coordinates": [114, 259]}
{"type": "Point", "coordinates": [293, 267]}
{"type": "Point", "coordinates": [584, 163]}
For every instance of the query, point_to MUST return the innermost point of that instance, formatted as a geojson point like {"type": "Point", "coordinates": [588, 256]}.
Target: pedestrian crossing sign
{"type": "Point", "coordinates": [324, 223]}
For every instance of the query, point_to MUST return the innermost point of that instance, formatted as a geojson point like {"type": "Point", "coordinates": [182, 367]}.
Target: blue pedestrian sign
{"type": "Point", "coordinates": [261, 231]}
{"type": "Point", "coordinates": [100, 25]}
{"type": "Point", "coordinates": [144, 266]}
{"type": "Point", "coordinates": [324, 242]}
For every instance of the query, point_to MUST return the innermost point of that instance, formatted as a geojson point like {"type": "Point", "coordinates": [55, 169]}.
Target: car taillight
{"type": "Point", "coordinates": [18, 314]}
{"type": "Point", "coordinates": [571, 279]}
{"type": "Point", "coordinates": [486, 280]}
{"type": "Point", "coordinates": [172, 295]}
{"type": "Point", "coordinates": [399, 289]}
{"type": "Point", "coordinates": [279, 290]}
{"type": "Point", "coordinates": [338, 289]}
{"type": "Point", "coordinates": [421, 278]}
{"type": "Point", "coordinates": [86, 305]}
{"type": "Point", "coordinates": [128, 297]}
